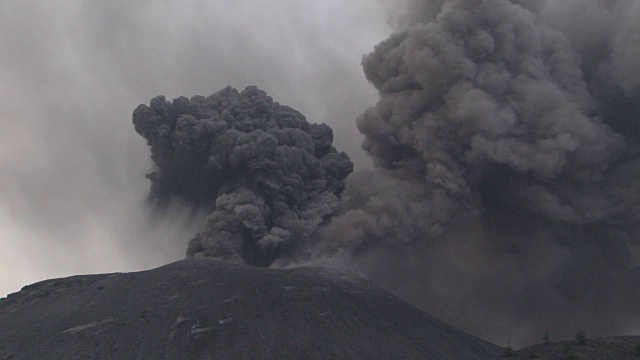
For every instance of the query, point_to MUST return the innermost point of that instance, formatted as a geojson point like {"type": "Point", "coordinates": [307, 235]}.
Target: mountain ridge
{"type": "Point", "coordinates": [209, 309]}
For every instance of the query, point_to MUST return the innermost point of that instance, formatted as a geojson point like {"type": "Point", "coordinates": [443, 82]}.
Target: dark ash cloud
{"type": "Point", "coordinates": [505, 195]}
{"type": "Point", "coordinates": [268, 176]}
{"type": "Point", "coordinates": [505, 151]}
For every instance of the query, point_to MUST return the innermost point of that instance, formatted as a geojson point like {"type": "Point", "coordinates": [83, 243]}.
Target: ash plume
{"type": "Point", "coordinates": [268, 177]}
{"type": "Point", "coordinates": [505, 197]}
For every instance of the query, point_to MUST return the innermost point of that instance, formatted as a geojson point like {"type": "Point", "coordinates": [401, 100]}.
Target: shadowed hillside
{"type": "Point", "coordinates": [208, 309]}
{"type": "Point", "coordinates": [610, 348]}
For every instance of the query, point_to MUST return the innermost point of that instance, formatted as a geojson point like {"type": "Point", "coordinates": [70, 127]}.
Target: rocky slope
{"type": "Point", "coordinates": [610, 348]}
{"type": "Point", "coordinates": [207, 309]}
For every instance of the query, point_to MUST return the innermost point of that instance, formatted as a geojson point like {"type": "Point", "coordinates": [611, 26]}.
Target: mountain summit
{"type": "Point", "coordinates": [209, 309]}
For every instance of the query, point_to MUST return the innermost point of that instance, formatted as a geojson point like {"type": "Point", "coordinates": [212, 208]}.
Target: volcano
{"type": "Point", "coordinates": [209, 309]}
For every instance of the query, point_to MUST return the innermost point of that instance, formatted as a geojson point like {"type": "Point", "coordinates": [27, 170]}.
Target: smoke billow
{"type": "Point", "coordinates": [268, 176]}
{"type": "Point", "coordinates": [506, 145]}
{"type": "Point", "coordinates": [484, 98]}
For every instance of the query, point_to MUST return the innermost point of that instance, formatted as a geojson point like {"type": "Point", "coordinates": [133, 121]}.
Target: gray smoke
{"type": "Point", "coordinates": [505, 198]}
{"type": "Point", "coordinates": [506, 144]}
{"type": "Point", "coordinates": [268, 177]}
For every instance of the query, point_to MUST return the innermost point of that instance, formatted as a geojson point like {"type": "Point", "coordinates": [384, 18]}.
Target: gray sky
{"type": "Point", "coordinates": [71, 186]}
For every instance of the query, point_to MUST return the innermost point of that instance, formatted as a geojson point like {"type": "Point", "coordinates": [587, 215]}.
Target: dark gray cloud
{"type": "Point", "coordinates": [505, 139]}
{"type": "Point", "coordinates": [72, 186]}
{"type": "Point", "coordinates": [268, 177]}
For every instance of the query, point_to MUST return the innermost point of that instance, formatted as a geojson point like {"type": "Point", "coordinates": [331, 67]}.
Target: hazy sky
{"type": "Point", "coordinates": [72, 183]}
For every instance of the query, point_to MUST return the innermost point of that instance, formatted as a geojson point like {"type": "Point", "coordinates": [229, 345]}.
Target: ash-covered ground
{"type": "Point", "coordinates": [209, 309]}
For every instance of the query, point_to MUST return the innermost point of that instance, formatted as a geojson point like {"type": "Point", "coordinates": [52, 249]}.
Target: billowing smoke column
{"type": "Point", "coordinates": [268, 177]}
{"type": "Point", "coordinates": [506, 141]}
{"type": "Point", "coordinates": [484, 98]}
{"type": "Point", "coordinates": [505, 194]}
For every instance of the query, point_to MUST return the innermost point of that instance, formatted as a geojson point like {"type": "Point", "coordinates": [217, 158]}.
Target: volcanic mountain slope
{"type": "Point", "coordinates": [609, 348]}
{"type": "Point", "coordinates": [208, 309]}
